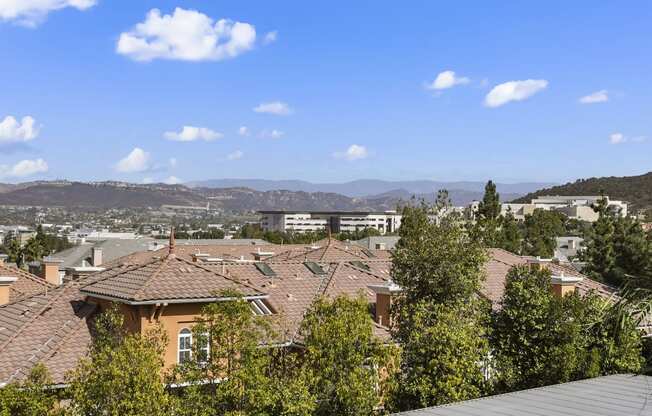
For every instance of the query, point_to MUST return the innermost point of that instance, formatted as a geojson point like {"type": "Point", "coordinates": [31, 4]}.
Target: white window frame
{"type": "Point", "coordinates": [186, 333]}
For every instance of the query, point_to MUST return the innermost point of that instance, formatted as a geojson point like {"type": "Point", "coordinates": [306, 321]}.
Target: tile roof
{"type": "Point", "coordinates": [170, 278]}
{"type": "Point", "coordinates": [616, 395]}
{"type": "Point", "coordinates": [56, 327]}
{"type": "Point", "coordinates": [26, 284]}
{"type": "Point", "coordinates": [41, 326]}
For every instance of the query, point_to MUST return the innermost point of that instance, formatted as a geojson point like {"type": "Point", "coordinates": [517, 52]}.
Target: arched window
{"type": "Point", "coordinates": [185, 345]}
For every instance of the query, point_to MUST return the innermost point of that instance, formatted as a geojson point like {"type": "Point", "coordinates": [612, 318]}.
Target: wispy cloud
{"type": "Point", "coordinates": [192, 133]}
{"type": "Point", "coordinates": [24, 168]}
{"type": "Point", "coordinates": [137, 160]}
{"type": "Point", "coordinates": [278, 108]}
{"type": "Point", "coordinates": [31, 13]}
{"type": "Point", "coordinates": [601, 96]}
{"type": "Point", "coordinates": [243, 131]}
{"type": "Point", "coordinates": [617, 138]}
{"type": "Point", "coordinates": [270, 37]}
{"type": "Point", "coordinates": [186, 35]}
{"type": "Point", "coordinates": [271, 134]}
{"type": "Point", "coordinates": [238, 154]}
{"type": "Point", "coordinates": [354, 152]}
{"type": "Point", "coordinates": [447, 79]}
{"type": "Point", "coordinates": [510, 91]}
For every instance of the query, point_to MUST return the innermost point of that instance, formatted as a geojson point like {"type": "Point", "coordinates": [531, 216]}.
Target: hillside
{"type": "Point", "coordinates": [105, 195]}
{"type": "Point", "coordinates": [367, 187]}
{"type": "Point", "coordinates": [637, 190]}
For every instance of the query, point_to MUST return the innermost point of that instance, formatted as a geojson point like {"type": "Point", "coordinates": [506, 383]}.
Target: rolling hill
{"type": "Point", "coordinates": [637, 190]}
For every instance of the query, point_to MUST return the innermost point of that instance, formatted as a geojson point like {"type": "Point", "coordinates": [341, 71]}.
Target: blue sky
{"type": "Point", "coordinates": [344, 90]}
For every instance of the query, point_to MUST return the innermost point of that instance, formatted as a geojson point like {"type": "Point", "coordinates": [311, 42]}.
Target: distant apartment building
{"type": "Point", "coordinates": [574, 207]}
{"type": "Point", "coordinates": [307, 221]}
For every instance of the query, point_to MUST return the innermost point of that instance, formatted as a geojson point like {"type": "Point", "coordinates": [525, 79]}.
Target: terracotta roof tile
{"type": "Point", "coordinates": [169, 278]}
{"type": "Point", "coordinates": [26, 284]}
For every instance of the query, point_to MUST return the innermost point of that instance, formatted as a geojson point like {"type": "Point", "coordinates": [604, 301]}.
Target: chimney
{"type": "Point", "coordinates": [537, 263]}
{"type": "Point", "coordinates": [173, 244]}
{"type": "Point", "coordinates": [562, 285]}
{"type": "Point", "coordinates": [50, 271]}
{"type": "Point", "coordinates": [5, 286]}
{"type": "Point", "coordinates": [384, 294]}
{"type": "Point", "coordinates": [96, 256]}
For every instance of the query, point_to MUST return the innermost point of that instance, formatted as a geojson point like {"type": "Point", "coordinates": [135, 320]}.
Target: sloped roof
{"type": "Point", "coordinates": [26, 284]}
{"type": "Point", "coordinates": [328, 249]}
{"type": "Point", "coordinates": [170, 278]}
{"type": "Point", "coordinates": [616, 395]}
{"type": "Point", "coordinates": [42, 324]}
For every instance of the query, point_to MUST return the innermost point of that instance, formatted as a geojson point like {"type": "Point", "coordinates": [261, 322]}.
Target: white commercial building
{"type": "Point", "coordinates": [305, 221]}
{"type": "Point", "coordinates": [575, 207]}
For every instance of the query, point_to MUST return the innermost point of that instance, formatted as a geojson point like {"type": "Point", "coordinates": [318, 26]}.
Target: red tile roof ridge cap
{"type": "Point", "coordinates": [34, 316]}
{"type": "Point", "coordinates": [348, 252]}
{"type": "Point", "coordinates": [232, 279]}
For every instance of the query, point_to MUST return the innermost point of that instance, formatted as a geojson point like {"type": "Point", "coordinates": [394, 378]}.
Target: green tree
{"type": "Point", "coordinates": [435, 259]}
{"type": "Point", "coordinates": [510, 237]}
{"type": "Point", "coordinates": [30, 397]}
{"type": "Point", "coordinates": [633, 254]}
{"type": "Point", "coordinates": [540, 338]}
{"type": "Point", "coordinates": [439, 322]}
{"type": "Point", "coordinates": [600, 254]}
{"type": "Point", "coordinates": [343, 357]}
{"type": "Point", "coordinates": [441, 355]}
{"type": "Point", "coordinates": [541, 230]}
{"type": "Point", "coordinates": [488, 217]}
{"type": "Point", "coordinates": [122, 374]}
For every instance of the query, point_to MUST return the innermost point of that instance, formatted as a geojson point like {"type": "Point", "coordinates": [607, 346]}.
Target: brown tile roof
{"type": "Point", "coordinates": [171, 278]}
{"type": "Point", "coordinates": [26, 284]}
{"type": "Point", "coordinates": [326, 250]}
{"type": "Point", "coordinates": [43, 325]}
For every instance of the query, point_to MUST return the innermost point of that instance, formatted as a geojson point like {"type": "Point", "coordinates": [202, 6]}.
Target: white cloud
{"type": "Point", "coordinates": [191, 134]}
{"type": "Point", "coordinates": [447, 79]}
{"type": "Point", "coordinates": [243, 131]}
{"type": "Point", "coordinates": [186, 35]}
{"type": "Point", "coordinates": [235, 155]}
{"type": "Point", "coordinates": [514, 91]}
{"type": "Point", "coordinates": [617, 138]}
{"type": "Point", "coordinates": [32, 12]}
{"type": "Point", "coordinates": [278, 108]}
{"type": "Point", "coordinates": [271, 134]}
{"type": "Point", "coordinates": [12, 130]}
{"type": "Point", "coordinates": [270, 37]}
{"type": "Point", "coordinates": [597, 97]}
{"type": "Point", "coordinates": [172, 180]}
{"type": "Point", "coordinates": [173, 162]}
{"type": "Point", "coordinates": [354, 152]}
{"type": "Point", "coordinates": [24, 168]}
{"type": "Point", "coordinates": [136, 161]}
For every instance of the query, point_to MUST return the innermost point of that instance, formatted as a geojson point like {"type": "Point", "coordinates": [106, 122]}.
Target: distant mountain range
{"type": "Point", "coordinates": [112, 194]}
{"type": "Point", "coordinates": [637, 190]}
{"type": "Point", "coordinates": [367, 187]}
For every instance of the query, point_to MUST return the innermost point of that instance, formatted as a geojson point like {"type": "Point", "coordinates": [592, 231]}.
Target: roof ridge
{"type": "Point", "coordinates": [27, 275]}
{"type": "Point", "coordinates": [369, 272]}
{"type": "Point", "coordinates": [130, 267]}
{"type": "Point", "coordinates": [229, 278]}
{"type": "Point", "coordinates": [164, 262]}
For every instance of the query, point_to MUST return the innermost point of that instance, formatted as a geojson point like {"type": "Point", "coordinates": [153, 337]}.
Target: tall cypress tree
{"type": "Point", "coordinates": [600, 255]}
{"type": "Point", "coordinates": [487, 217]}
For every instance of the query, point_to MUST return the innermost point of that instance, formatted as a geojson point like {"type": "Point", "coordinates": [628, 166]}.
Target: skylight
{"type": "Point", "coordinates": [314, 268]}
{"type": "Point", "coordinates": [265, 269]}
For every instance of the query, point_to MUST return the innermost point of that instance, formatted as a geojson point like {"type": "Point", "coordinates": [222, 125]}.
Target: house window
{"type": "Point", "coordinates": [185, 345]}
